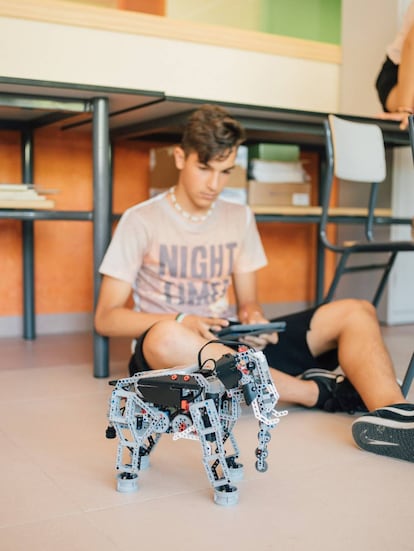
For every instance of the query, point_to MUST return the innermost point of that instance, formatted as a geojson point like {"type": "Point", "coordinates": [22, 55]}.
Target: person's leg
{"type": "Point", "coordinates": [291, 357]}
{"type": "Point", "coordinates": [295, 390]}
{"type": "Point", "coordinates": [402, 95]}
{"type": "Point", "coordinates": [352, 326]}
{"type": "Point", "coordinates": [398, 100]}
{"type": "Point", "coordinates": [170, 344]}
{"type": "Point", "coordinates": [306, 378]}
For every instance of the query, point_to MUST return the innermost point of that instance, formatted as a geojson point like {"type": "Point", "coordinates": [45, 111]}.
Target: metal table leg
{"type": "Point", "coordinates": [102, 193]}
{"type": "Point", "coordinates": [29, 321]}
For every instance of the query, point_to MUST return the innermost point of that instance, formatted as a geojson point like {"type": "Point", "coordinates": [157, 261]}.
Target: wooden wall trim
{"type": "Point", "coordinates": [113, 20]}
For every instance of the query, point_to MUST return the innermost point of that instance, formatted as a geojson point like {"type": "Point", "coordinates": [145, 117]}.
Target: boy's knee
{"type": "Point", "coordinates": [161, 338]}
{"type": "Point", "coordinates": [366, 308]}
{"type": "Point", "coordinates": [163, 333]}
{"type": "Point", "coordinates": [352, 308]}
{"type": "Point", "coordinates": [359, 308]}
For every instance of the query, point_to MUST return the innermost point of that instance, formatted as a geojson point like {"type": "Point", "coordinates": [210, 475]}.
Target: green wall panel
{"type": "Point", "coordinates": [318, 20]}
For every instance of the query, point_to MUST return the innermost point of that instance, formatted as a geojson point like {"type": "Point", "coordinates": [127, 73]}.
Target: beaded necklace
{"type": "Point", "coordinates": [186, 214]}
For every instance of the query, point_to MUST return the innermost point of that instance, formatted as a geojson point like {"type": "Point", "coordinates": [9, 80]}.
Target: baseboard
{"type": "Point", "coordinates": [277, 309]}
{"type": "Point", "coordinates": [48, 324]}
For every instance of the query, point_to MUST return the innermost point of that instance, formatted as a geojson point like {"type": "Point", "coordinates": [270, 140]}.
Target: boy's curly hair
{"type": "Point", "coordinates": [212, 133]}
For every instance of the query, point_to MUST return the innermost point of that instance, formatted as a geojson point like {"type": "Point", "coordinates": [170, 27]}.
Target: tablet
{"type": "Point", "coordinates": [238, 330]}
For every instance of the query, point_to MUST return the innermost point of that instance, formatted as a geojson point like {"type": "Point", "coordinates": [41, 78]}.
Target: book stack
{"type": "Point", "coordinates": [277, 171]}
{"type": "Point", "coordinates": [23, 196]}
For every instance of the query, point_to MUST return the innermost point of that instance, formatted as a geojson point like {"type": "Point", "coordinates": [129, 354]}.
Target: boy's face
{"type": "Point", "coordinates": [200, 184]}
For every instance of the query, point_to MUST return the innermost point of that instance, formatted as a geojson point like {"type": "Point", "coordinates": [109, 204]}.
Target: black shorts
{"type": "Point", "coordinates": [386, 80]}
{"type": "Point", "coordinates": [137, 361]}
{"type": "Point", "coordinates": [290, 355]}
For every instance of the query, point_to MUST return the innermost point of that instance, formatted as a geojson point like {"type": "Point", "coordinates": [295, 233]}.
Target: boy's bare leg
{"type": "Point", "coordinates": [169, 344]}
{"type": "Point", "coordinates": [353, 327]}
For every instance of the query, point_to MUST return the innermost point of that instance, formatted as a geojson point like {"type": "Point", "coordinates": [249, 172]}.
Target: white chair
{"type": "Point", "coordinates": [356, 153]}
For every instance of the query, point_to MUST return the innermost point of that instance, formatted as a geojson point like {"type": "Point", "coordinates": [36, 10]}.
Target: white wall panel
{"type": "Point", "coordinates": [62, 53]}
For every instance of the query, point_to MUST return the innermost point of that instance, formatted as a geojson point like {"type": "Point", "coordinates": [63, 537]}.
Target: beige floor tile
{"type": "Point", "coordinates": [28, 494]}
{"type": "Point", "coordinates": [67, 533]}
{"type": "Point", "coordinates": [58, 478]}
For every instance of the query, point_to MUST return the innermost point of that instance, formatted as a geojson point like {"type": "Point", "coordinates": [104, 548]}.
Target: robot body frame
{"type": "Point", "coordinates": [196, 404]}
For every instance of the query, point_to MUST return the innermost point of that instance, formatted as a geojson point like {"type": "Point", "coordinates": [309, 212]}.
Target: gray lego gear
{"type": "Point", "coordinates": [196, 404]}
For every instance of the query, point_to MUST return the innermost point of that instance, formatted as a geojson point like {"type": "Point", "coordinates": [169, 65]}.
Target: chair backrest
{"type": "Point", "coordinates": [358, 150]}
{"type": "Point", "coordinates": [355, 152]}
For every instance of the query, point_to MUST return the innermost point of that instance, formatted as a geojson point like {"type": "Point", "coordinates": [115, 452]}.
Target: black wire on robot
{"type": "Point", "coordinates": [197, 403]}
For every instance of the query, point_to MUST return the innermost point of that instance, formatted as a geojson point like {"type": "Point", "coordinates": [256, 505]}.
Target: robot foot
{"type": "Point", "coordinates": [145, 462]}
{"type": "Point", "coordinates": [236, 469]}
{"type": "Point", "coordinates": [127, 483]}
{"type": "Point", "coordinates": [226, 495]}
{"type": "Point", "coordinates": [236, 472]}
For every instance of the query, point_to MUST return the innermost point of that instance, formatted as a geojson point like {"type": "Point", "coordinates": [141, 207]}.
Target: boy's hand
{"type": "Point", "coordinates": [260, 341]}
{"type": "Point", "coordinates": [205, 327]}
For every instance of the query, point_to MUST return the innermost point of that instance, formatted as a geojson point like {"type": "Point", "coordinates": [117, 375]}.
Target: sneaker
{"type": "Point", "coordinates": [336, 393]}
{"type": "Point", "coordinates": [387, 431]}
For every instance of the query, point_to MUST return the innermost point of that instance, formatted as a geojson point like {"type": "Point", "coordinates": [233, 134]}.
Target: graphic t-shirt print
{"type": "Point", "coordinates": [196, 275]}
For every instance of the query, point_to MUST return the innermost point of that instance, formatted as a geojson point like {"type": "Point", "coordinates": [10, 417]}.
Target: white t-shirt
{"type": "Point", "coordinates": [394, 49]}
{"type": "Point", "coordinates": [174, 265]}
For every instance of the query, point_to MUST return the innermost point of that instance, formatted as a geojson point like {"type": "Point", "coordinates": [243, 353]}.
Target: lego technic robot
{"type": "Point", "coordinates": [197, 403]}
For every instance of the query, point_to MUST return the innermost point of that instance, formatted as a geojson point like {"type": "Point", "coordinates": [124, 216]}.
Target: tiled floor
{"type": "Point", "coordinates": [58, 479]}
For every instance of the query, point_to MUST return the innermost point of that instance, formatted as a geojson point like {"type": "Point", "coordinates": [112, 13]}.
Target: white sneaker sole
{"type": "Point", "coordinates": [385, 437]}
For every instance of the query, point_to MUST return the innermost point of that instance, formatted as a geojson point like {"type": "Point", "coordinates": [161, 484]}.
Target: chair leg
{"type": "Point", "coordinates": [340, 269]}
{"type": "Point", "coordinates": [408, 379]}
{"type": "Point", "coordinates": [384, 279]}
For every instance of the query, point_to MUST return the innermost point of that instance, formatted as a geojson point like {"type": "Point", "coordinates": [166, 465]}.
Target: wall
{"type": "Point", "coordinates": [100, 3]}
{"type": "Point", "coordinates": [310, 19]}
{"type": "Point", "coordinates": [89, 42]}
{"type": "Point", "coordinates": [232, 13]}
{"type": "Point", "coordinates": [319, 20]}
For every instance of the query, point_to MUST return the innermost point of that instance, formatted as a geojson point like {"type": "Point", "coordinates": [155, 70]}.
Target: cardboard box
{"type": "Point", "coordinates": [237, 178]}
{"type": "Point", "coordinates": [164, 174]}
{"type": "Point", "coordinates": [279, 194]}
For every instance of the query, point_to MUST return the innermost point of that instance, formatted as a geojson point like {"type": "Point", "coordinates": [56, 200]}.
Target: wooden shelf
{"type": "Point", "coordinates": [306, 211]}
{"type": "Point", "coordinates": [45, 204]}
